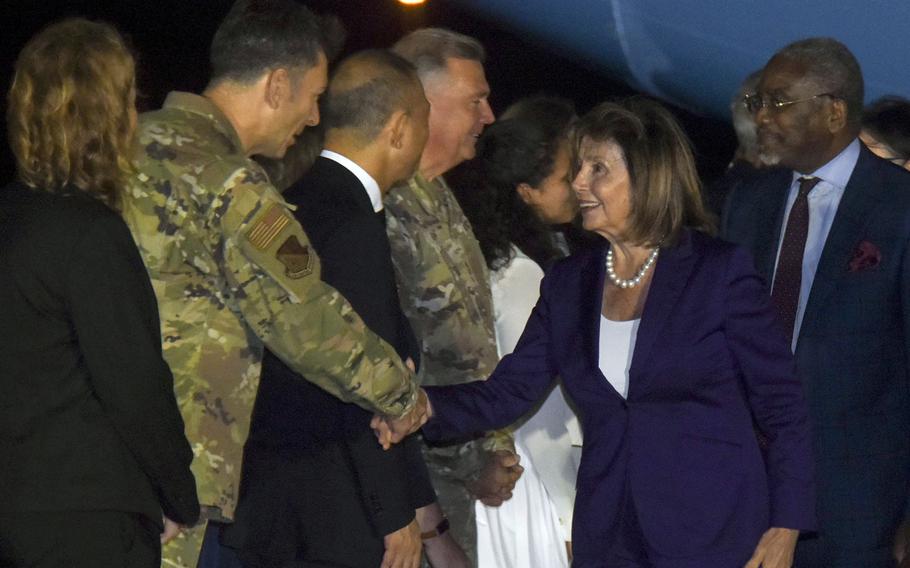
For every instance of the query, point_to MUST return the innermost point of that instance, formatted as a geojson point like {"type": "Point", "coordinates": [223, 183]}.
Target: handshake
{"type": "Point", "coordinates": [392, 430]}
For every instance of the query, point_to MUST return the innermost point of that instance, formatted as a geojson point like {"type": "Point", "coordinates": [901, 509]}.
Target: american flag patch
{"type": "Point", "coordinates": [268, 227]}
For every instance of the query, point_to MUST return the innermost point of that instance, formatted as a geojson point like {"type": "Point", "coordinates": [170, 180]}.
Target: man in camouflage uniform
{"type": "Point", "coordinates": [442, 278]}
{"type": "Point", "coordinates": [231, 267]}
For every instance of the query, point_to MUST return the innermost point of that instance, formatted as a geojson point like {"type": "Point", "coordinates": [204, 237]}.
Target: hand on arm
{"type": "Point", "coordinates": [402, 547]}
{"type": "Point", "coordinates": [171, 530]}
{"type": "Point", "coordinates": [393, 430]}
{"type": "Point", "coordinates": [775, 549]}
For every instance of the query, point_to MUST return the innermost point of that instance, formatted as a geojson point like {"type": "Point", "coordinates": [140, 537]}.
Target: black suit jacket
{"type": "Point", "coordinates": [88, 417]}
{"type": "Point", "coordinates": [852, 353]}
{"type": "Point", "coordinates": [294, 420]}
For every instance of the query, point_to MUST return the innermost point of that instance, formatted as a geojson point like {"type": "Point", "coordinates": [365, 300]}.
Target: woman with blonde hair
{"type": "Point", "coordinates": [95, 469]}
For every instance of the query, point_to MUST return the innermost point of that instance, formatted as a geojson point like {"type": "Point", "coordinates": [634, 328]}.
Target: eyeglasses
{"type": "Point", "coordinates": [755, 102]}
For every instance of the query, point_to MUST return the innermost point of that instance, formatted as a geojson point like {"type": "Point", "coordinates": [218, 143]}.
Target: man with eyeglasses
{"type": "Point", "coordinates": [831, 233]}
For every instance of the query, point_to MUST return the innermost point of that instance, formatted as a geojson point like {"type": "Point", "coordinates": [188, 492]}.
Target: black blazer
{"type": "Point", "coordinates": [852, 352]}
{"type": "Point", "coordinates": [294, 418]}
{"type": "Point", "coordinates": [88, 417]}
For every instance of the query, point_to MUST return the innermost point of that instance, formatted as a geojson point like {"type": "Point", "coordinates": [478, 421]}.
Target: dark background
{"type": "Point", "coordinates": [171, 40]}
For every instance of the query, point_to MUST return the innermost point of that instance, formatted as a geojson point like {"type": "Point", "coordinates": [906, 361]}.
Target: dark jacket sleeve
{"type": "Point", "coordinates": [775, 394]}
{"type": "Point", "coordinates": [115, 315]}
{"type": "Point", "coordinates": [521, 379]}
{"type": "Point", "coordinates": [729, 210]}
{"type": "Point", "coordinates": [382, 476]}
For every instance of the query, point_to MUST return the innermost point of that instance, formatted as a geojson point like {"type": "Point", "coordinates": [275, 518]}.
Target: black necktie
{"type": "Point", "coordinates": [788, 279]}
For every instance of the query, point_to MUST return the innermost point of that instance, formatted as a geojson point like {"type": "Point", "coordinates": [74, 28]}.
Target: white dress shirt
{"type": "Point", "coordinates": [823, 201]}
{"type": "Point", "coordinates": [365, 179]}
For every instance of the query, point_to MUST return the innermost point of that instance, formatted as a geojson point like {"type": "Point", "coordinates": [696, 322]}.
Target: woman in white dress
{"type": "Point", "coordinates": [513, 192]}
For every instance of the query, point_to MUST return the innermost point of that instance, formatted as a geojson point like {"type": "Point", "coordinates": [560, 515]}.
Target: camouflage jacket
{"type": "Point", "coordinates": [233, 271]}
{"type": "Point", "coordinates": [445, 292]}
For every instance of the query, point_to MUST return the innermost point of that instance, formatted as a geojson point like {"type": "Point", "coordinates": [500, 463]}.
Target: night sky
{"type": "Point", "coordinates": [171, 39]}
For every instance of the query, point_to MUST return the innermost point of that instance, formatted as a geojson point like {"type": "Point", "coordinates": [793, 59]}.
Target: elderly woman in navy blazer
{"type": "Point", "coordinates": [666, 342]}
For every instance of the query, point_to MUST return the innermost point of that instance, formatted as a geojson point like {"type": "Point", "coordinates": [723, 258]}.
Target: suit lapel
{"type": "Point", "coordinates": [591, 303]}
{"type": "Point", "coordinates": [768, 234]}
{"type": "Point", "coordinates": [671, 273]}
{"type": "Point", "coordinates": [861, 196]}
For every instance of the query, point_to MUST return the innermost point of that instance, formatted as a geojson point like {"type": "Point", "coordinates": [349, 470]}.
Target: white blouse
{"type": "Point", "coordinates": [617, 344]}
{"type": "Point", "coordinates": [530, 530]}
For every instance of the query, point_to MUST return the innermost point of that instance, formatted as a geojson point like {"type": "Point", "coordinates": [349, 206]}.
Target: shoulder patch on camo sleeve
{"type": "Point", "coordinates": [295, 257]}
{"type": "Point", "coordinates": [268, 227]}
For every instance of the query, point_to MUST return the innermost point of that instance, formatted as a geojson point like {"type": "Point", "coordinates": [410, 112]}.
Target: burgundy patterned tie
{"type": "Point", "coordinates": [787, 280]}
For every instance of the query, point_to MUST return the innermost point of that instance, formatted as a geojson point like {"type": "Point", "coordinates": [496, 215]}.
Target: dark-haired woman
{"type": "Point", "coordinates": [666, 342]}
{"type": "Point", "coordinates": [95, 467]}
{"type": "Point", "coordinates": [513, 192]}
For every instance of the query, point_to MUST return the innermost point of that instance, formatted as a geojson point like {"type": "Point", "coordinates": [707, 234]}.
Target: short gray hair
{"type": "Point", "coordinates": [429, 49]}
{"type": "Point", "coordinates": [832, 67]}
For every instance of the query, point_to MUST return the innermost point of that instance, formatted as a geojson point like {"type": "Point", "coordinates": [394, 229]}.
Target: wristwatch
{"type": "Point", "coordinates": [441, 528]}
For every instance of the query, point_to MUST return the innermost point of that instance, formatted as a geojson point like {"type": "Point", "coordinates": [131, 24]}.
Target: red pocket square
{"type": "Point", "coordinates": [865, 256]}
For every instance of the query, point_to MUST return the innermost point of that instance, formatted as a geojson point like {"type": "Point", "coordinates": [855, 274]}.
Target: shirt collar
{"type": "Point", "coordinates": [837, 172]}
{"type": "Point", "coordinates": [430, 192]}
{"type": "Point", "coordinates": [197, 104]}
{"type": "Point", "coordinates": [369, 184]}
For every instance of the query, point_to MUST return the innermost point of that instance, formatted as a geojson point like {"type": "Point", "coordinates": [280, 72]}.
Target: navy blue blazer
{"type": "Point", "coordinates": [708, 357]}
{"type": "Point", "coordinates": [851, 353]}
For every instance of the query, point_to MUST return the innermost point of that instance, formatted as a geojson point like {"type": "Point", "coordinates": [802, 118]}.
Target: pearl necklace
{"type": "Point", "coordinates": [635, 280]}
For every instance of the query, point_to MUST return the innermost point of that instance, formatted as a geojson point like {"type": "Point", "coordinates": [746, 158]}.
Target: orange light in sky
{"type": "Point", "coordinates": [411, 2]}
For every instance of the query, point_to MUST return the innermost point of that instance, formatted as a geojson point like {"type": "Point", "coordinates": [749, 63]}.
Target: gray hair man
{"type": "Point", "coordinates": [443, 280]}
{"type": "Point", "coordinates": [744, 123]}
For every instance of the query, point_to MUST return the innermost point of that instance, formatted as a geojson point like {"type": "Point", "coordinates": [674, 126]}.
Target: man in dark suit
{"type": "Point", "coordinates": [830, 233]}
{"type": "Point", "coordinates": [311, 465]}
